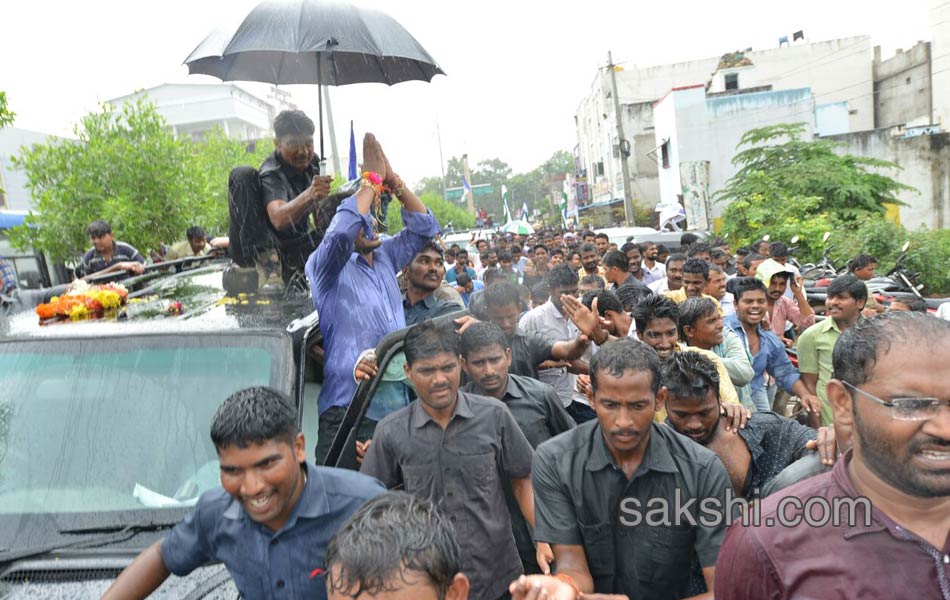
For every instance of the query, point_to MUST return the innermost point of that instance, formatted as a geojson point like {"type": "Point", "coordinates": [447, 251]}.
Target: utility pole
{"type": "Point", "coordinates": [621, 143]}
{"type": "Point", "coordinates": [333, 150]}
{"type": "Point", "coordinates": [438, 134]}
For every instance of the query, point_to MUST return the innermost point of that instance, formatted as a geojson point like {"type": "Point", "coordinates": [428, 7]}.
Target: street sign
{"type": "Point", "coordinates": [482, 189]}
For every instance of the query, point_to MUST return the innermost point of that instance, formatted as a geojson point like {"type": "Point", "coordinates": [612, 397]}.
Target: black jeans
{"type": "Point", "coordinates": [328, 426]}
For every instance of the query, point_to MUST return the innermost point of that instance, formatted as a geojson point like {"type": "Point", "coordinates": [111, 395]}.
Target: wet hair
{"type": "Point", "coordinates": [561, 276]}
{"type": "Point", "coordinates": [501, 294]}
{"type": "Point", "coordinates": [676, 257]}
{"type": "Point", "coordinates": [714, 268]}
{"type": "Point", "coordinates": [696, 266]}
{"type": "Point", "coordinates": [750, 258]}
{"type": "Point", "coordinates": [428, 339]}
{"type": "Point", "coordinates": [778, 250]}
{"type": "Point", "coordinates": [196, 233]}
{"type": "Point", "coordinates": [692, 310]}
{"type": "Point", "coordinates": [461, 252]}
{"type": "Point", "coordinates": [861, 261]}
{"type": "Point", "coordinates": [290, 122]}
{"type": "Point", "coordinates": [605, 301]}
{"type": "Point", "coordinates": [539, 247]}
{"type": "Point", "coordinates": [505, 256]}
{"type": "Point", "coordinates": [914, 303]}
{"type": "Point", "coordinates": [747, 284]}
{"type": "Point", "coordinates": [387, 537]}
{"type": "Point", "coordinates": [480, 335]}
{"type": "Point", "coordinates": [630, 246]}
{"type": "Point", "coordinates": [847, 284]}
{"type": "Point", "coordinates": [451, 251]}
{"type": "Point", "coordinates": [688, 239]}
{"type": "Point", "coordinates": [652, 308]}
{"type": "Point", "coordinates": [557, 251]}
{"type": "Point", "coordinates": [463, 279]}
{"type": "Point", "coordinates": [860, 346]}
{"type": "Point", "coordinates": [493, 275]}
{"type": "Point", "coordinates": [616, 258]}
{"type": "Point", "coordinates": [718, 253]}
{"type": "Point", "coordinates": [98, 228]}
{"type": "Point", "coordinates": [433, 246]}
{"type": "Point", "coordinates": [743, 252]}
{"type": "Point", "coordinates": [689, 375]}
{"type": "Point", "coordinates": [699, 248]}
{"type": "Point", "coordinates": [595, 280]}
{"type": "Point", "coordinates": [587, 247]}
{"type": "Point", "coordinates": [253, 416]}
{"type": "Point", "coordinates": [602, 236]}
{"type": "Point", "coordinates": [758, 243]}
{"type": "Point", "coordinates": [661, 248]}
{"type": "Point", "coordinates": [631, 295]}
{"type": "Point", "coordinates": [540, 293]}
{"type": "Point", "coordinates": [625, 355]}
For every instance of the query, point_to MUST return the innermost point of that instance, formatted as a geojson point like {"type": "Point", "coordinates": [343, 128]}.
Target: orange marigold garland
{"type": "Point", "coordinates": [83, 302]}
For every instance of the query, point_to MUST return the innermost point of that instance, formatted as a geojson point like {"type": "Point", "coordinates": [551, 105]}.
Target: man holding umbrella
{"type": "Point", "coordinates": [353, 283]}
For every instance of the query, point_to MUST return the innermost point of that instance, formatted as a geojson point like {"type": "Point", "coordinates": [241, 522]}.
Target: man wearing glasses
{"type": "Point", "coordinates": [889, 495]}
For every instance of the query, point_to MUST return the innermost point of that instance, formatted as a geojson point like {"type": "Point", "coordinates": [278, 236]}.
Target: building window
{"type": "Point", "coordinates": [599, 169]}
{"type": "Point", "coordinates": [732, 81]}
{"type": "Point", "coordinates": [665, 154]}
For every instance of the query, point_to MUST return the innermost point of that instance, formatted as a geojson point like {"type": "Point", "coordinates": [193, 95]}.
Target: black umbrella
{"type": "Point", "coordinates": [309, 41]}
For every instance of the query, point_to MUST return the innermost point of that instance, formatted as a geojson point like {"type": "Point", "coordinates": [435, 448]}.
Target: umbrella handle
{"type": "Point", "coordinates": [320, 99]}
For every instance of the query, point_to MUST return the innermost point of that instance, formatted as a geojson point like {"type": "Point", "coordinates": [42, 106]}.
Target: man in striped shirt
{"type": "Point", "coordinates": [108, 255]}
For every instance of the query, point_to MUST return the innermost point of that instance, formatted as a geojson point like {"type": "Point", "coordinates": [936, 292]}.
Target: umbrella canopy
{"type": "Point", "coordinates": [286, 42]}
{"type": "Point", "coordinates": [519, 227]}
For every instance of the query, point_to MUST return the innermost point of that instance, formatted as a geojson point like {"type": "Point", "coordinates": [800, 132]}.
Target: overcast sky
{"type": "Point", "coordinates": [516, 69]}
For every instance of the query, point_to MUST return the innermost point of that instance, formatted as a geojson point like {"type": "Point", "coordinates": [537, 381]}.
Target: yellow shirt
{"type": "Point", "coordinates": [727, 391]}
{"type": "Point", "coordinates": [183, 250]}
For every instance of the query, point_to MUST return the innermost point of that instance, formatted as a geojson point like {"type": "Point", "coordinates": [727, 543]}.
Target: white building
{"type": "Point", "coordinates": [697, 135]}
{"type": "Point", "coordinates": [14, 195]}
{"type": "Point", "coordinates": [193, 110]}
{"type": "Point", "coordinates": [838, 74]}
{"type": "Point", "coordinates": [940, 66]}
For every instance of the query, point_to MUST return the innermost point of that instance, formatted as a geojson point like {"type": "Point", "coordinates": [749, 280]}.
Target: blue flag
{"type": "Point", "coordinates": [352, 172]}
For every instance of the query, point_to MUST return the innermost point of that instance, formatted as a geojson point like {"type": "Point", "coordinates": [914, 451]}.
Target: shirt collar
{"type": "Point", "coordinates": [513, 390]}
{"type": "Point", "coordinates": [657, 457]}
{"type": "Point", "coordinates": [429, 301]}
{"type": "Point", "coordinates": [420, 417]}
{"type": "Point", "coordinates": [313, 501]}
{"type": "Point", "coordinates": [553, 311]}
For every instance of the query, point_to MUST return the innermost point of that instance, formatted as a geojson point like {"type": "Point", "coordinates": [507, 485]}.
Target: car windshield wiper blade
{"type": "Point", "coordinates": [111, 534]}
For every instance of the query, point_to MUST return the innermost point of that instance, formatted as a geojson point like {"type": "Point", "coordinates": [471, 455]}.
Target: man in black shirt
{"type": "Point", "coordinates": [535, 406]}
{"type": "Point", "coordinates": [292, 189]}
{"type": "Point", "coordinates": [752, 455]}
{"type": "Point", "coordinates": [628, 505]}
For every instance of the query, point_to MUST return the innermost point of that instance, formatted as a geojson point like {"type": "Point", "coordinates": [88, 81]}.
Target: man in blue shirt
{"type": "Point", "coordinates": [353, 284]}
{"type": "Point", "coordinates": [271, 520]}
{"type": "Point", "coordinates": [461, 266]}
{"type": "Point", "coordinates": [767, 351]}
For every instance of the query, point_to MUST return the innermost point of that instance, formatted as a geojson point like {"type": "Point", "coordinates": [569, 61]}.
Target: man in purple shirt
{"type": "Point", "coordinates": [353, 283]}
{"type": "Point", "coordinates": [877, 525]}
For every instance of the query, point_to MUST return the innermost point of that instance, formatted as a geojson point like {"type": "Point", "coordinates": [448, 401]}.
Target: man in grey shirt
{"type": "Point", "coordinates": [456, 449]}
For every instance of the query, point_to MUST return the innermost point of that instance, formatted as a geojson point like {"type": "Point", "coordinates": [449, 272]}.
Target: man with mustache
{"type": "Point", "coordinates": [892, 538]}
{"type": "Point", "coordinates": [591, 483]}
{"type": "Point", "coordinates": [352, 278]}
{"type": "Point", "coordinates": [844, 304]}
{"type": "Point", "coordinates": [674, 275]}
{"type": "Point", "coordinates": [423, 277]}
{"type": "Point", "coordinates": [456, 449]}
{"type": "Point", "coordinates": [752, 455]}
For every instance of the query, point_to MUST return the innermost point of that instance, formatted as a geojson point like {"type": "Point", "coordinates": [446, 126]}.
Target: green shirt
{"type": "Point", "coordinates": [815, 346]}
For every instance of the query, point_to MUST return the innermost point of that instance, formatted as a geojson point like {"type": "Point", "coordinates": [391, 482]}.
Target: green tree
{"type": "Point", "coordinates": [126, 167]}
{"type": "Point", "coordinates": [6, 115]}
{"type": "Point", "coordinates": [789, 186]}
{"type": "Point", "coordinates": [429, 185]}
{"type": "Point", "coordinates": [443, 210]}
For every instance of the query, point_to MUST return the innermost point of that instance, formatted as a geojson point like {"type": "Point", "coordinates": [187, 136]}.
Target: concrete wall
{"type": "Point", "coordinates": [13, 180]}
{"type": "Point", "coordinates": [902, 87]}
{"type": "Point", "coordinates": [940, 68]}
{"type": "Point", "coordinates": [709, 129]}
{"type": "Point", "coordinates": [836, 71]}
{"type": "Point", "coordinates": [831, 119]}
{"type": "Point", "coordinates": [924, 162]}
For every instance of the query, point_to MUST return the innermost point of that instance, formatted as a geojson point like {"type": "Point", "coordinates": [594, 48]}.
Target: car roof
{"type": "Point", "coordinates": [205, 307]}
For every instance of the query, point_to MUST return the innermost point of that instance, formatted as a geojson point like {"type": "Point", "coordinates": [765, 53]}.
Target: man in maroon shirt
{"type": "Point", "coordinates": [879, 524]}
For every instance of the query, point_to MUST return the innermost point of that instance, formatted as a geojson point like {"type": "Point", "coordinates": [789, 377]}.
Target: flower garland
{"type": "Point", "coordinates": [83, 302]}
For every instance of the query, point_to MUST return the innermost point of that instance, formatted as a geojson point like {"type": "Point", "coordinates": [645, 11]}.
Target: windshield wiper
{"type": "Point", "coordinates": [111, 534]}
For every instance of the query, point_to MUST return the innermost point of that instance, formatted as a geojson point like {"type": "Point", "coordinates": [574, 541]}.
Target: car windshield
{"type": "Point", "coordinates": [94, 427]}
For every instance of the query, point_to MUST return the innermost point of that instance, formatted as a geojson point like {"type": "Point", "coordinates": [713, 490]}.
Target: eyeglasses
{"type": "Point", "coordinates": [906, 409]}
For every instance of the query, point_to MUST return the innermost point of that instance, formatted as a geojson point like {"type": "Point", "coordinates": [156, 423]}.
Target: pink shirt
{"type": "Point", "coordinates": [787, 310]}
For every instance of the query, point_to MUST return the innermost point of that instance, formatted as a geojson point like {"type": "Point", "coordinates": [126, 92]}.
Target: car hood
{"type": "Point", "coordinates": [90, 576]}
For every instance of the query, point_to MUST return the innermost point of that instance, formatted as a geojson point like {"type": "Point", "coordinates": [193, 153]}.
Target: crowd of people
{"type": "Point", "coordinates": [605, 422]}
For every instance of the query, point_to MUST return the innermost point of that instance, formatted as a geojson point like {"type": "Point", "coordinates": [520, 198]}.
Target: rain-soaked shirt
{"type": "Point", "coordinates": [264, 563]}
{"type": "Point", "coordinates": [358, 303]}
{"type": "Point", "coordinates": [280, 181]}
